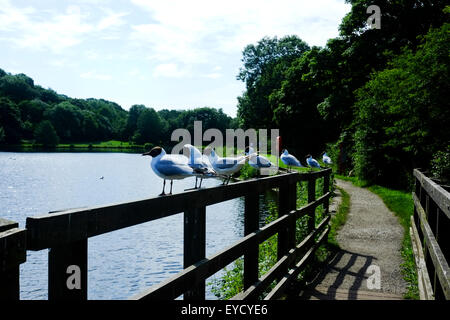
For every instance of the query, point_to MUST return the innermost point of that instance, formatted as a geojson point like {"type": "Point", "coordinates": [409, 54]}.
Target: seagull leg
{"type": "Point", "coordinates": [164, 186]}
{"type": "Point", "coordinates": [171, 183]}
{"type": "Point", "coordinates": [200, 185]}
{"type": "Point", "coordinates": [195, 183]}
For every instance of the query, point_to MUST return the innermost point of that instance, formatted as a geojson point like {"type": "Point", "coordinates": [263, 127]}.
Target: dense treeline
{"type": "Point", "coordinates": [30, 112]}
{"type": "Point", "coordinates": [376, 98]}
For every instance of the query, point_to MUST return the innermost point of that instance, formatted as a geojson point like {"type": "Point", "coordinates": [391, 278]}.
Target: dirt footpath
{"type": "Point", "coordinates": [368, 265]}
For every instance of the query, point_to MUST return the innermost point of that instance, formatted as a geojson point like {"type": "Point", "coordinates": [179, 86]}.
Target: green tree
{"type": "Point", "coordinates": [403, 112]}
{"type": "Point", "coordinates": [67, 121]}
{"type": "Point", "coordinates": [2, 134]}
{"type": "Point", "coordinates": [133, 115]}
{"type": "Point", "coordinates": [263, 65]}
{"type": "Point", "coordinates": [10, 120]}
{"type": "Point", "coordinates": [17, 87]}
{"type": "Point", "coordinates": [45, 134]}
{"type": "Point", "coordinates": [150, 127]}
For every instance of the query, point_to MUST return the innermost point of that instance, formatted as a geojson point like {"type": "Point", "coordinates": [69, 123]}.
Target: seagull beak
{"type": "Point", "coordinates": [146, 154]}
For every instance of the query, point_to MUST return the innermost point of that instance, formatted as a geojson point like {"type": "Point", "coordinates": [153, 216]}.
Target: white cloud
{"type": "Point", "coordinates": [194, 31]}
{"type": "Point", "coordinates": [96, 76]}
{"type": "Point", "coordinates": [213, 75]}
{"type": "Point", "coordinates": [169, 70]}
{"type": "Point", "coordinates": [54, 30]}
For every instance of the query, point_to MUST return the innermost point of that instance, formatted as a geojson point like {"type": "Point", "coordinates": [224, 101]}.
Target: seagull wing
{"type": "Point", "coordinates": [173, 165]}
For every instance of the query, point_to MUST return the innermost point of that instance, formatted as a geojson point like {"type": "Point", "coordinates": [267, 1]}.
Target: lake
{"type": "Point", "coordinates": [120, 263]}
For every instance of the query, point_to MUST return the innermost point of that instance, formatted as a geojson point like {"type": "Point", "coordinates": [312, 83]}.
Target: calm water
{"type": "Point", "coordinates": [121, 263]}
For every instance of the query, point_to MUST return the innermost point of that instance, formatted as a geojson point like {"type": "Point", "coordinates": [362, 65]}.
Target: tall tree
{"type": "Point", "coordinates": [45, 134]}
{"type": "Point", "coordinates": [10, 120]}
{"type": "Point", "coordinates": [403, 112]}
{"type": "Point", "coordinates": [263, 65]}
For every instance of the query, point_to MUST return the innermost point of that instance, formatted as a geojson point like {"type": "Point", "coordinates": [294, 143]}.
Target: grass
{"type": "Point", "coordinates": [339, 218]}
{"type": "Point", "coordinates": [401, 203]}
{"type": "Point", "coordinates": [99, 145]}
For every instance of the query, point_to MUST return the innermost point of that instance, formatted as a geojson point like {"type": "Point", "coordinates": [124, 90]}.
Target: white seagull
{"type": "Point", "coordinates": [257, 161]}
{"type": "Point", "coordinates": [312, 162]}
{"type": "Point", "coordinates": [199, 163]}
{"type": "Point", "coordinates": [326, 159]}
{"type": "Point", "coordinates": [225, 166]}
{"type": "Point", "coordinates": [169, 166]}
{"type": "Point", "coordinates": [289, 160]}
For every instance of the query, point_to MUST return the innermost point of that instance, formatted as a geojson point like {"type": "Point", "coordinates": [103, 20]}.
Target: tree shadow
{"type": "Point", "coordinates": [350, 277]}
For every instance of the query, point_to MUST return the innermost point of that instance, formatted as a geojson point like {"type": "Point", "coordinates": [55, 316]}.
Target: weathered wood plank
{"type": "Point", "coordinates": [68, 271]}
{"type": "Point", "coordinates": [424, 283]}
{"type": "Point", "coordinates": [6, 224]}
{"type": "Point", "coordinates": [49, 230]}
{"type": "Point", "coordinates": [293, 273]}
{"type": "Point", "coordinates": [440, 196]}
{"type": "Point", "coordinates": [439, 261]}
{"type": "Point", "coordinates": [12, 254]}
{"type": "Point", "coordinates": [13, 248]}
{"type": "Point", "coordinates": [195, 247]}
{"type": "Point", "coordinates": [251, 224]}
{"type": "Point", "coordinates": [277, 270]}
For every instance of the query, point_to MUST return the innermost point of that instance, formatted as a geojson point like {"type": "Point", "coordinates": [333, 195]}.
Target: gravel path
{"type": "Point", "coordinates": [370, 241]}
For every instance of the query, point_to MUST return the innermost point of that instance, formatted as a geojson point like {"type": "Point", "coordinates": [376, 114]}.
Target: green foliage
{"type": "Point", "coordinates": [2, 134]}
{"type": "Point", "coordinates": [10, 120]}
{"type": "Point", "coordinates": [23, 105]}
{"type": "Point", "coordinates": [45, 134]}
{"type": "Point", "coordinates": [339, 218]}
{"type": "Point", "coordinates": [264, 64]}
{"type": "Point", "coordinates": [247, 172]}
{"type": "Point", "coordinates": [403, 111]}
{"type": "Point", "coordinates": [150, 127]}
{"type": "Point", "coordinates": [440, 165]}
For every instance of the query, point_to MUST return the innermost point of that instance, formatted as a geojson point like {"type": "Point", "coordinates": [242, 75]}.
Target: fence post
{"type": "Point", "coordinates": [286, 202]}
{"type": "Point", "coordinates": [312, 198]}
{"type": "Point", "coordinates": [251, 224]}
{"type": "Point", "coordinates": [195, 246]}
{"type": "Point", "coordinates": [326, 188]}
{"type": "Point", "coordinates": [12, 254]}
{"type": "Point", "coordinates": [67, 271]}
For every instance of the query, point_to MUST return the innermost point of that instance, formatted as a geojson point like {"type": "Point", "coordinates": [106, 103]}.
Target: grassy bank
{"type": "Point", "coordinates": [112, 145]}
{"type": "Point", "coordinates": [401, 203]}
{"type": "Point", "coordinates": [339, 218]}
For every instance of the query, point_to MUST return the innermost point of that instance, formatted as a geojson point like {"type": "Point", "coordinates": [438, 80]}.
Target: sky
{"type": "Point", "coordinates": [173, 54]}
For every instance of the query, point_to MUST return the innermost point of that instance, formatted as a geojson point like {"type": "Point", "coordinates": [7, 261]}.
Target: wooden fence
{"type": "Point", "coordinates": [66, 236]}
{"type": "Point", "coordinates": [430, 235]}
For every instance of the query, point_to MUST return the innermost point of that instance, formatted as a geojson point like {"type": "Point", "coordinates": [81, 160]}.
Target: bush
{"type": "Point", "coordinates": [440, 165]}
{"type": "Point", "coordinates": [148, 146]}
{"type": "Point", "coordinates": [45, 134]}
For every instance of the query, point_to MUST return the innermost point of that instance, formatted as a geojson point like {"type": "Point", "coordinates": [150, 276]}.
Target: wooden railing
{"type": "Point", "coordinates": [430, 235]}
{"type": "Point", "coordinates": [66, 234]}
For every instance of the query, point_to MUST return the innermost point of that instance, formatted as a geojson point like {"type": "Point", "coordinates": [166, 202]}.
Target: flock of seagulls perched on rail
{"type": "Point", "coordinates": [192, 163]}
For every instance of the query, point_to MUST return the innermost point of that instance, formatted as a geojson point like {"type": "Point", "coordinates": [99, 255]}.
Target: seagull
{"type": "Point", "coordinates": [255, 160]}
{"type": "Point", "coordinates": [199, 163]}
{"type": "Point", "coordinates": [169, 166]}
{"type": "Point", "coordinates": [326, 159]}
{"type": "Point", "coordinates": [225, 166]}
{"type": "Point", "coordinates": [289, 160]}
{"type": "Point", "coordinates": [312, 162]}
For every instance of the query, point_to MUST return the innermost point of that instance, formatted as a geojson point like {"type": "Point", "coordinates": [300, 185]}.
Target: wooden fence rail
{"type": "Point", "coordinates": [66, 235]}
{"type": "Point", "coordinates": [430, 226]}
